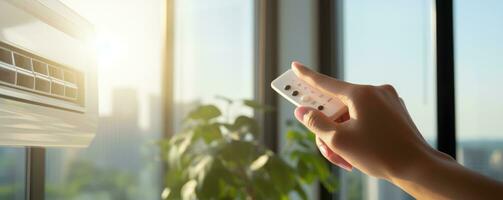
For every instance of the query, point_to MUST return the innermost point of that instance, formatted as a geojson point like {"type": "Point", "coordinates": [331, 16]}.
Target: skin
{"type": "Point", "coordinates": [378, 137]}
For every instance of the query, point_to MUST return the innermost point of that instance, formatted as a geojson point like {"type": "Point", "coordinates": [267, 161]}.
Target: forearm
{"type": "Point", "coordinates": [441, 178]}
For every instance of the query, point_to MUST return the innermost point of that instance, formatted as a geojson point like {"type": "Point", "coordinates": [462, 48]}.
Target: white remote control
{"type": "Point", "coordinates": [301, 93]}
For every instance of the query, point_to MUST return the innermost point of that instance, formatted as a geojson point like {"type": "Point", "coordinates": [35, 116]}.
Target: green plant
{"type": "Point", "coordinates": [217, 158]}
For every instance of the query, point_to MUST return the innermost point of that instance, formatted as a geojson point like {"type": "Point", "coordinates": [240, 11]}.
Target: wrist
{"type": "Point", "coordinates": [427, 178]}
{"type": "Point", "coordinates": [422, 166]}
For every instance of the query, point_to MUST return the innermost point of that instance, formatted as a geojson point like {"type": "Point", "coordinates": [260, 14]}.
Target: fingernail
{"type": "Point", "coordinates": [297, 64]}
{"type": "Point", "coordinates": [323, 150]}
{"type": "Point", "coordinates": [345, 167]}
{"type": "Point", "coordinates": [300, 112]}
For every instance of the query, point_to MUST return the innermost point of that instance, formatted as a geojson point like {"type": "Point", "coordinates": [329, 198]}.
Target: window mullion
{"type": "Point", "coordinates": [446, 121]}
{"type": "Point", "coordinates": [35, 173]}
{"type": "Point", "coordinates": [266, 58]}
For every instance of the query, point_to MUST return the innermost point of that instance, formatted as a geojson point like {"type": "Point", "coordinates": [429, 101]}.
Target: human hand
{"type": "Point", "coordinates": [376, 135]}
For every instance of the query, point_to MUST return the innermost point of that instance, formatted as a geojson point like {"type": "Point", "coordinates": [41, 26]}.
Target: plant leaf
{"type": "Point", "coordinates": [227, 100]}
{"type": "Point", "coordinates": [204, 112]}
{"type": "Point", "coordinates": [208, 133]}
{"type": "Point", "coordinates": [321, 166]}
{"type": "Point", "coordinates": [209, 187]}
{"type": "Point", "coordinates": [257, 106]}
{"type": "Point", "coordinates": [263, 187]}
{"type": "Point", "coordinates": [330, 183]}
{"type": "Point", "coordinates": [238, 152]}
{"type": "Point", "coordinates": [244, 124]}
{"type": "Point", "coordinates": [300, 191]}
{"type": "Point", "coordinates": [294, 135]}
{"type": "Point", "coordinates": [259, 162]}
{"type": "Point", "coordinates": [281, 172]}
{"type": "Point", "coordinates": [199, 168]}
{"type": "Point", "coordinates": [189, 190]}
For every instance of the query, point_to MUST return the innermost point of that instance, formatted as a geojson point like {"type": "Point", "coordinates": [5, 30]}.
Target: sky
{"type": "Point", "coordinates": [391, 42]}
{"type": "Point", "coordinates": [214, 54]}
{"type": "Point", "coordinates": [214, 49]}
{"type": "Point", "coordinates": [479, 68]}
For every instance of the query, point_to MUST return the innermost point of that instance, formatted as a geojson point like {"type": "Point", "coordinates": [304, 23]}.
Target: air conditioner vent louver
{"type": "Point", "coordinates": [6, 56]}
{"type": "Point", "coordinates": [28, 72]}
{"type": "Point", "coordinates": [48, 76]}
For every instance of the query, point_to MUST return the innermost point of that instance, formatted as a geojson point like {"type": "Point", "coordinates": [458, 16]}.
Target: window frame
{"type": "Point", "coordinates": [331, 60]}
{"type": "Point", "coordinates": [167, 94]}
{"type": "Point", "coordinates": [266, 69]}
{"type": "Point", "coordinates": [446, 109]}
{"type": "Point", "coordinates": [35, 173]}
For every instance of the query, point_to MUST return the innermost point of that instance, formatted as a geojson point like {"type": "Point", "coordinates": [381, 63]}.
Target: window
{"type": "Point", "coordinates": [121, 161]}
{"type": "Point", "coordinates": [384, 42]}
{"type": "Point", "coordinates": [214, 52]}
{"type": "Point", "coordinates": [478, 45]}
{"type": "Point", "coordinates": [12, 173]}
{"type": "Point", "coordinates": [390, 42]}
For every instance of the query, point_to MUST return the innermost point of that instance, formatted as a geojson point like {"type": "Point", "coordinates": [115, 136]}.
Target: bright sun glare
{"type": "Point", "coordinates": [128, 48]}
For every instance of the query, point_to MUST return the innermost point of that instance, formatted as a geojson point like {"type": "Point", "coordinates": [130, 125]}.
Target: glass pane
{"type": "Point", "coordinates": [214, 51]}
{"type": "Point", "coordinates": [478, 45]}
{"type": "Point", "coordinates": [121, 161]}
{"type": "Point", "coordinates": [214, 63]}
{"type": "Point", "coordinates": [390, 42]}
{"type": "Point", "coordinates": [12, 173]}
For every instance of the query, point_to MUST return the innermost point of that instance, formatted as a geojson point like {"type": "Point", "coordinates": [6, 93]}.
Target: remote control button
{"type": "Point", "coordinates": [305, 98]}
{"type": "Point", "coordinates": [295, 93]}
{"type": "Point", "coordinates": [320, 107]}
{"type": "Point", "coordinates": [287, 87]}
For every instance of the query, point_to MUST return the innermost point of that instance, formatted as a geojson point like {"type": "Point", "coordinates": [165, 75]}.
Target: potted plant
{"type": "Point", "coordinates": [217, 158]}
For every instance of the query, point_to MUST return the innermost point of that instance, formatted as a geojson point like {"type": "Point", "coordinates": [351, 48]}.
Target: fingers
{"type": "Point", "coordinates": [321, 125]}
{"type": "Point", "coordinates": [340, 89]}
{"type": "Point", "coordinates": [344, 117]}
{"type": "Point", "coordinates": [314, 120]}
{"type": "Point", "coordinates": [320, 81]}
{"type": "Point", "coordinates": [325, 130]}
{"type": "Point", "coordinates": [332, 156]}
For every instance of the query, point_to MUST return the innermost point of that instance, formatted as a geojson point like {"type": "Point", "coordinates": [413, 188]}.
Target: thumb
{"type": "Point", "coordinates": [317, 123]}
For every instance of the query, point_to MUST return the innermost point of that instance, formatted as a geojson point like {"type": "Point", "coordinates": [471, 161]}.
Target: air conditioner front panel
{"type": "Point", "coordinates": [48, 88]}
{"type": "Point", "coordinates": [23, 125]}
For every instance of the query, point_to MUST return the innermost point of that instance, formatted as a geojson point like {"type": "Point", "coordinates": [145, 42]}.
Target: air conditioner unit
{"type": "Point", "coordinates": [48, 79]}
